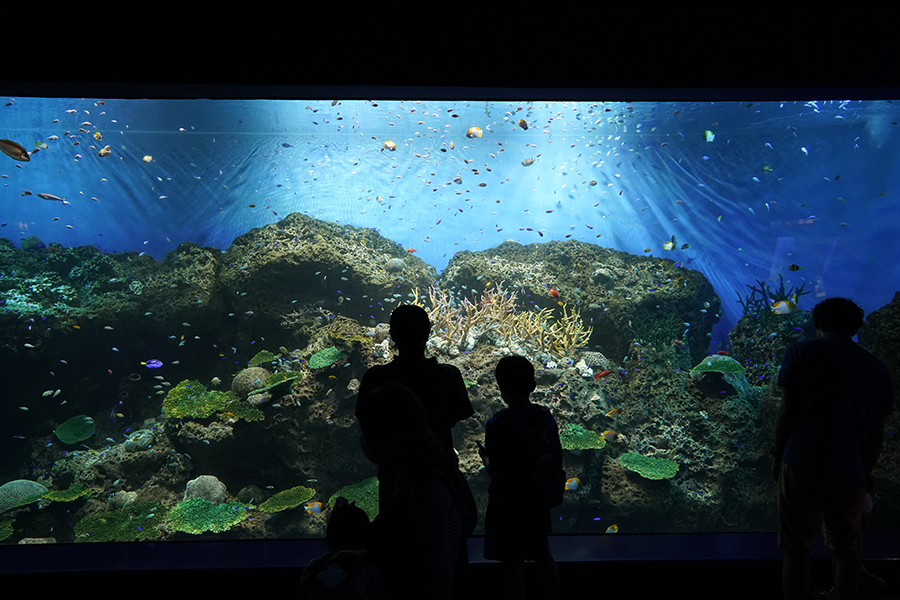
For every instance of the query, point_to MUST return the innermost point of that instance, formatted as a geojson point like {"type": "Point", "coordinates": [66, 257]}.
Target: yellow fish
{"type": "Point", "coordinates": [314, 507]}
{"type": "Point", "coordinates": [389, 145]}
{"type": "Point", "coordinates": [670, 245]}
{"type": "Point", "coordinates": [572, 484]}
{"type": "Point", "coordinates": [785, 307]}
{"type": "Point", "coordinates": [474, 132]}
{"type": "Point", "coordinates": [97, 135]}
{"type": "Point", "coordinates": [147, 158]}
{"type": "Point", "coordinates": [612, 528]}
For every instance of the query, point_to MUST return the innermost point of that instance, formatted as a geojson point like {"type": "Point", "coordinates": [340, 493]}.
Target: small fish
{"type": "Point", "coordinates": [147, 158]}
{"type": "Point", "coordinates": [389, 145]}
{"type": "Point", "coordinates": [97, 135]}
{"type": "Point", "coordinates": [152, 363]}
{"type": "Point", "coordinates": [554, 293]}
{"type": "Point", "coordinates": [767, 169]}
{"type": "Point", "coordinates": [410, 250]}
{"type": "Point", "coordinates": [23, 408]}
{"type": "Point", "coordinates": [602, 374]}
{"type": "Point", "coordinates": [609, 435]}
{"type": "Point", "coordinates": [685, 246]}
{"type": "Point", "coordinates": [28, 345]}
{"type": "Point", "coordinates": [51, 197]}
{"type": "Point", "coordinates": [648, 249]}
{"type": "Point", "coordinates": [452, 145]}
{"type": "Point", "coordinates": [613, 528]}
{"type": "Point", "coordinates": [794, 267]}
{"type": "Point", "coordinates": [104, 151]}
{"type": "Point", "coordinates": [53, 138]}
{"type": "Point", "coordinates": [286, 145]}
{"type": "Point", "coordinates": [805, 151]}
{"type": "Point", "coordinates": [47, 393]}
{"type": "Point", "coordinates": [709, 136]}
{"type": "Point", "coordinates": [572, 484]}
{"type": "Point", "coordinates": [670, 245]}
{"type": "Point", "coordinates": [722, 353]}
{"type": "Point", "coordinates": [523, 124]}
{"type": "Point", "coordinates": [614, 411]}
{"type": "Point", "coordinates": [785, 307]}
{"type": "Point", "coordinates": [41, 145]}
{"type": "Point", "coordinates": [26, 192]}
{"type": "Point", "coordinates": [527, 162]}
{"type": "Point", "coordinates": [313, 507]}
{"type": "Point", "coordinates": [473, 132]}
{"type": "Point", "coordinates": [14, 151]}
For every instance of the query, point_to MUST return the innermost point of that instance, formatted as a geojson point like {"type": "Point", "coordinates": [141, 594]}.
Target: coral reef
{"type": "Point", "coordinates": [131, 523]}
{"type": "Point", "coordinates": [77, 429]}
{"type": "Point", "coordinates": [649, 467]}
{"type": "Point", "coordinates": [326, 357]}
{"type": "Point", "coordinates": [20, 492]}
{"type": "Point", "coordinates": [760, 299]}
{"type": "Point", "coordinates": [576, 437]}
{"type": "Point", "coordinates": [290, 498]}
{"type": "Point", "coordinates": [364, 494]}
{"type": "Point", "coordinates": [196, 516]}
{"type": "Point", "coordinates": [190, 399]}
{"type": "Point", "coordinates": [207, 487]}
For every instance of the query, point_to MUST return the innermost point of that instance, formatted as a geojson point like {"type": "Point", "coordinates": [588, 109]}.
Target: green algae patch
{"type": "Point", "coordinates": [189, 399]}
{"type": "Point", "coordinates": [364, 494]}
{"type": "Point", "coordinates": [262, 357]}
{"type": "Point", "coordinates": [287, 499]}
{"type": "Point", "coordinates": [576, 437]}
{"type": "Point", "coordinates": [649, 467]}
{"type": "Point", "coordinates": [718, 363]}
{"type": "Point", "coordinates": [75, 491]}
{"type": "Point", "coordinates": [238, 409]}
{"type": "Point", "coordinates": [276, 379]}
{"type": "Point", "coordinates": [326, 358]}
{"type": "Point", "coordinates": [6, 529]}
{"type": "Point", "coordinates": [132, 523]}
{"type": "Point", "coordinates": [76, 429]}
{"type": "Point", "coordinates": [197, 515]}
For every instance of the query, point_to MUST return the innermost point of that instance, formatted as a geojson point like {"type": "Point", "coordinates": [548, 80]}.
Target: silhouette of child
{"type": "Point", "coordinates": [517, 523]}
{"type": "Point", "coordinates": [323, 578]}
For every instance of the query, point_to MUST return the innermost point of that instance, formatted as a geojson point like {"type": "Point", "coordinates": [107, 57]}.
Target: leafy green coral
{"type": "Point", "coordinates": [648, 466]}
{"type": "Point", "coordinates": [364, 494]}
{"type": "Point", "coordinates": [76, 429]}
{"type": "Point", "coordinates": [19, 493]}
{"type": "Point", "coordinates": [135, 522]}
{"type": "Point", "coordinates": [325, 358]}
{"type": "Point", "coordinates": [75, 491]}
{"type": "Point", "coordinates": [263, 356]}
{"type": "Point", "coordinates": [576, 437]}
{"type": "Point", "coordinates": [287, 499]}
{"type": "Point", "coordinates": [197, 515]}
{"type": "Point", "coordinates": [190, 399]}
{"type": "Point", "coordinates": [718, 363]}
{"type": "Point", "coordinates": [276, 379]}
{"type": "Point", "coordinates": [6, 529]}
{"type": "Point", "coordinates": [239, 409]}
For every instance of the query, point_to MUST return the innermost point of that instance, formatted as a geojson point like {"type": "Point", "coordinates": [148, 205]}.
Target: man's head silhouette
{"type": "Point", "coordinates": [838, 315]}
{"type": "Point", "coordinates": [410, 327]}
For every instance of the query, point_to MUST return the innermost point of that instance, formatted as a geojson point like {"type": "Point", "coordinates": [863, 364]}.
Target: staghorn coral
{"type": "Point", "coordinates": [494, 318]}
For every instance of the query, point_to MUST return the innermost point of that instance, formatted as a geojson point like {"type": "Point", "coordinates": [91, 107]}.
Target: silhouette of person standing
{"type": "Point", "coordinates": [516, 439]}
{"type": "Point", "coordinates": [439, 388]}
{"type": "Point", "coordinates": [828, 437]}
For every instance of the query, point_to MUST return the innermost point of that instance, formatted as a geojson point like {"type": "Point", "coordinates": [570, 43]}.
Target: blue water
{"type": "Point", "coordinates": [222, 167]}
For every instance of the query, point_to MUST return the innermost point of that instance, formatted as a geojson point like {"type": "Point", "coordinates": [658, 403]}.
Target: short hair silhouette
{"type": "Point", "coordinates": [515, 375]}
{"type": "Point", "coordinates": [409, 324]}
{"type": "Point", "coordinates": [838, 314]}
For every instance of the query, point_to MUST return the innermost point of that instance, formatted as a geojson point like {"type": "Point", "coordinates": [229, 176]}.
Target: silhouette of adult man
{"type": "Point", "coordinates": [828, 437]}
{"type": "Point", "coordinates": [439, 387]}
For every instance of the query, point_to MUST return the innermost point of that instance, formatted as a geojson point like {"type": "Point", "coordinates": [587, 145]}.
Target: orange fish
{"type": "Point", "coordinates": [572, 484]}
{"type": "Point", "coordinates": [523, 124]}
{"type": "Point", "coordinates": [410, 249]}
{"type": "Point", "coordinates": [614, 411]}
{"type": "Point", "coordinates": [602, 374]}
{"type": "Point", "coordinates": [609, 435]}
{"type": "Point", "coordinates": [554, 293]}
{"type": "Point", "coordinates": [722, 352]}
{"type": "Point", "coordinates": [314, 507]}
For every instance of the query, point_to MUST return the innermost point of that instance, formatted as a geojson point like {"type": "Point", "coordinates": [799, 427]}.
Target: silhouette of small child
{"type": "Point", "coordinates": [323, 579]}
{"type": "Point", "coordinates": [516, 439]}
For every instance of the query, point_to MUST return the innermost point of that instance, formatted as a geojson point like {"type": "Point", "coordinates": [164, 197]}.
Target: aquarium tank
{"type": "Point", "coordinates": [192, 289]}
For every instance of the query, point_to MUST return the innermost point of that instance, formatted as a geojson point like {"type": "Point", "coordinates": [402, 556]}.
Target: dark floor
{"type": "Point", "coordinates": [633, 580]}
{"type": "Point", "coordinates": [698, 567]}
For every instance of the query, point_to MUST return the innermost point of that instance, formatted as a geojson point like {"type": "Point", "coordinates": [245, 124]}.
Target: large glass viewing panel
{"type": "Point", "coordinates": [191, 291]}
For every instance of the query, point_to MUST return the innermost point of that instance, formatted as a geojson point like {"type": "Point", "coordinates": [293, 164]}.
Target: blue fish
{"type": "Point", "coordinates": [152, 363]}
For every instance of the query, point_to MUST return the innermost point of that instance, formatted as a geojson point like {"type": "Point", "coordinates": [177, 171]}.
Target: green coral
{"type": "Point", "coordinates": [761, 299]}
{"type": "Point", "coordinates": [263, 356]}
{"type": "Point", "coordinates": [576, 437]}
{"type": "Point", "coordinates": [135, 522]}
{"type": "Point", "coordinates": [718, 363]}
{"type": "Point", "coordinates": [6, 529]}
{"type": "Point", "coordinates": [287, 499]}
{"type": "Point", "coordinates": [190, 399]}
{"type": "Point", "coordinates": [364, 494]}
{"type": "Point", "coordinates": [648, 466]}
{"type": "Point", "coordinates": [75, 430]}
{"type": "Point", "coordinates": [73, 493]}
{"type": "Point", "coordinates": [276, 379]}
{"type": "Point", "coordinates": [242, 410]}
{"type": "Point", "coordinates": [326, 357]}
{"type": "Point", "coordinates": [197, 515]}
{"type": "Point", "coordinates": [19, 493]}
